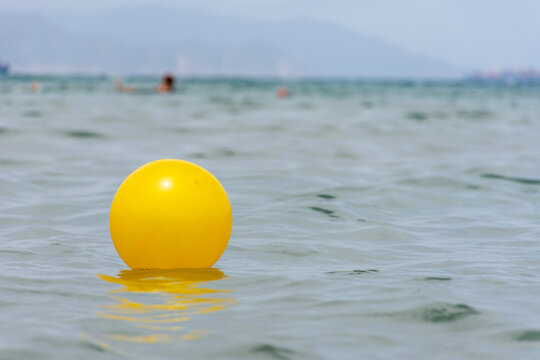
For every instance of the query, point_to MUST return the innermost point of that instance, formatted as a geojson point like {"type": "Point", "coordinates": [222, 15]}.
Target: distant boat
{"type": "Point", "coordinates": [4, 68]}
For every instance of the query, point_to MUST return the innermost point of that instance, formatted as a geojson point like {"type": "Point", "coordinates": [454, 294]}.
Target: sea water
{"type": "Point", "coordinates": [372, 220]}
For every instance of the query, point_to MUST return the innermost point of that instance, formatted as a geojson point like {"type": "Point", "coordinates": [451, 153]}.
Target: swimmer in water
{"type": "Point", "coordinates": [120, 87]}
{"type": "Point", "coordinates": [35, 86]}
{"type": "Point", "coordinates": [165, 87]}
{"type": "Point", "coordinates": [167, 84]}
{"type": "Point", "coordinates": [282, 93]}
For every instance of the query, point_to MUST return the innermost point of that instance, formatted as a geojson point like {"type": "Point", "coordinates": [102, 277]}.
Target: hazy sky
{"type": "Point", "coordinates": [466, 33]}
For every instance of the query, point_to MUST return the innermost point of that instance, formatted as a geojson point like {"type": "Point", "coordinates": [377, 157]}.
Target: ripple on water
{"type": "Point", "coordinates": [272, 351]}
{"type": "Point", "coordinates": [513, 179]}
{"type": "Point", "coordinates": [474, 114]}
{"type": "Point", "coordinates": [436, 278]}
{"type": "Point", "coordinates": [328, 212]}
{"type": "Point", "coordinates": [367, 104]}
{"type": "Point", "coordinates": [326, 196]}
{"type": "Point", "coordinates": [528, 335]}
{"type": "Point", "coordinates": [353, 272]}
{"type": "Point", "coordinates": [417, 116]}
{"type": "Point", "coordinates": [300, 251]}
{"type": "Point", "coordinates": [437, 313]}
{"type": "Point", "coordinates": [32, 113]}
{"type": "Point", "coordinates": [85, 134]}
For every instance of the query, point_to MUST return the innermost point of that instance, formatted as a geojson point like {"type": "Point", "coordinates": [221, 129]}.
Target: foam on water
{"type": "Point", "coordinates": [371, 220]}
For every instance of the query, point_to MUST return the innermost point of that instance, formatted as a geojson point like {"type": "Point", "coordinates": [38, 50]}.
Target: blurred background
{"type": "Point", "coordinates": [343, 38]}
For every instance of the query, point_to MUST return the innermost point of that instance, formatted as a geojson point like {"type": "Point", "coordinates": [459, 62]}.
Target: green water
{"type": "Point", "coordinates": [389, 220]}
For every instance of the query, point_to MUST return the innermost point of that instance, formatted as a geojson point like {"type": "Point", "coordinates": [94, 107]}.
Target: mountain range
{"type": "Point", "coordinates": [152, 40]}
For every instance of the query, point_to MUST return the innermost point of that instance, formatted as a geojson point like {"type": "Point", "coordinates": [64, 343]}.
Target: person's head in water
{"type": "Point", "coordinates": [167, 84]}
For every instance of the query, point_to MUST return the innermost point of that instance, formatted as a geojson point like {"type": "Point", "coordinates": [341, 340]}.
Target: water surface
{"type": "Point", "coordinates": [371, 220]}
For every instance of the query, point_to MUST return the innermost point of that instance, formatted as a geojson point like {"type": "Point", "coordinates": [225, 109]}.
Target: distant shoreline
{"type": "Point", "coordinates": [268, 79]}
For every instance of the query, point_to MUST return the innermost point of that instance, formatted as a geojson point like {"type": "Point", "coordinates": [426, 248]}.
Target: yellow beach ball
{"type": "Point", "coordinates": [170, 214]}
